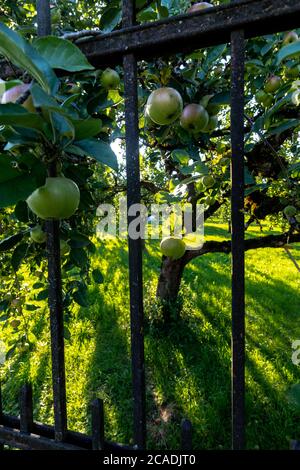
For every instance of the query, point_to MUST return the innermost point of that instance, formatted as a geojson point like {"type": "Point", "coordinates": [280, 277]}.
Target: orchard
{"type": "Point", "coordinates": [62, 155]}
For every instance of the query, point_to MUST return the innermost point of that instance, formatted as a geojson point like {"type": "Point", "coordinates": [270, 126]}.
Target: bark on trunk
{"type": "Point", "coordinates": [169, 284]}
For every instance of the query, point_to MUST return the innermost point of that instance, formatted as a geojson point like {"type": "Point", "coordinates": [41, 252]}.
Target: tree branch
{"type": "Point", "coordinates": [270, 241]}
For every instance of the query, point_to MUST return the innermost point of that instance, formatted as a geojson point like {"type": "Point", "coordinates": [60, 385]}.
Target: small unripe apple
{"type": "Point", "coordinates": [13, 94]}
{"type": "Point", "coordinates": [272, 84]}
{"type": "Point", "coordinates": [110, 79]}
{"type": "Point", "coordinates": [37, 235]}
{"type": "Point", "coordinates": [297, 217]}
{"type": "Point", "coordinates": [292, 72]}
{"type": "Point", "coordinates": [173, 247]}
{"type": "Point", "coordinates": [194, 118]}
{"type": "Point", "coordinates": [199, 6]}
{"type": "Point", "coordinates": [212, 109]}
{"type": "Point", "coordinates": [290, 211]}
{"type": "Point", "coordinates": [263, 98]}
{"type": "Point", "coordinates": [212, 124]}
{"type": "Point", "coordinates": [290, 37]}
{"type": "Point", "coordinates": [164, 105]}
{"type": "Point", "coordinates": [208, 181]}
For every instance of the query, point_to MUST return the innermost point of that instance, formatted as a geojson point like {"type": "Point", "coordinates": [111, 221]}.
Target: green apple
{"type": "Point", "coordinates": [292, 72]}
{"type": "Point", "coordinates": [37, 235]}
{"type": "Point", "coordinates": [263, 98]}
{"type": "Point", "coordinates": [297, 217]}
{"type": "Point", "coordinates": [110, 79]}
{"type": "Point", "coordinates": [194, 118]}
{"type": "Point", "coordinates": [208, 181]}
{"type": "Point", "coordinates": [272, 84]}
{"type": "Point", "coordinates": [173, 247]}
{"type": "Point", "coordinates": [164, 105]}
{"type": "Point", "coordinates": [212, 109]}
{"type": "Point", "coordinates": [290, 211]}
{"type": "Point", "coordinates": [58, 199]}
{"type": "Point", "coordinates": [212, 124]}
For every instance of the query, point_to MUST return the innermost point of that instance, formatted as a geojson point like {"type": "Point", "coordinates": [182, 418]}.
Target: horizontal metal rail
{"type": "Point", "coordinates": [46, 432]}
{"type": "Point", "coordinates": [188, 32]}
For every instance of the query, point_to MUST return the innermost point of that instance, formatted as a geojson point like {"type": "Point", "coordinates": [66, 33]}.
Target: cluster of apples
{"type": "Point", "coordinates": [39, 236]}
{"type": "Point", "coordinates": [165, 105]}
{"type": "Point", "coordinates": [273, 83]}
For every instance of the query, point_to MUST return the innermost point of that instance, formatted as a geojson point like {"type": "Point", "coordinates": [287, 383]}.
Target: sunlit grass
{"type": "Point", "coordinates": [187, 367]}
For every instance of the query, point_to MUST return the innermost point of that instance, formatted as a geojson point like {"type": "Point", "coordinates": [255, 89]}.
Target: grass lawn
{"type": "Point", "coordinates": [188, 367]}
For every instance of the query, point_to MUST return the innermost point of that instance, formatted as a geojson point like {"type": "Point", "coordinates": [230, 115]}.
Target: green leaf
{"type": "Point", "coordinates": [62, 54]}
{"type": "Point", "coordinates": [278, 105]}
{"type": "Point", "coordinates": [78, 240]}
{"type": "Point", "coordinates": [255, 187]}
{"type": "Point", "coordinates": [101, 151]}
{"type": "Point", "coordinates": [41, 99]}
{"type": "Point", "coordinates": [15, 190]}
{"type": "Point", "coordinates": [98, 276]}
{"type": "Point", "coordinates": [9, 242]}
{"type": "Point", "coordinates": [288, 51]}
{"type": "Point", "coordinates": [67, 333]}
{"type": "Point", "coordinates": [221, 98]}
{"type": "Point", "coordinates": [42, 295]}
{"type": "Point", "coordinates": [23, 55]}
{"type": "Point", "coordinates": [18, 255]}
{"type": "Point", "coordinates": [80, 298]}
{"type": "Point", "coordinates": [31, 307]}
{"type": "Point", "coordinates": [15, 115]}
{"type": "Point", "coordinates": [110, 19]}
{"type": "Point", "coordinates": [213, 54]}
{"type": "Point", "coordinates": [63, 125]}
{"type": "Point", "coordinates": [21, 211]}
{"type": "Point", "coordinates": [248, 177]}
{"type": "Point", "coordinates": [86, 129]}
{"type": "Point", "coordinates": [79, 257]}
{"type": "Point", "coordinates": [7, 171]}
{"type": "Point", "coordinates": [287, 124]}
{"type": "Point", "coordinates": [181, 156]}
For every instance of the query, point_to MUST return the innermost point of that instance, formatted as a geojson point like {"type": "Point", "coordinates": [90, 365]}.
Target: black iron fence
{"type": "Point", "coordinates": [232, 23]}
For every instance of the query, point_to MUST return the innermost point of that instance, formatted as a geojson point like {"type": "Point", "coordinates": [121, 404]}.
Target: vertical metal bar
{"type": "Point", "coordinates": [186, 435]}
{"type": "Point", "coordinates": [238, 254]}
{"type": "Point", "coordinates": [43, 17]}
{"type": "Point", "coordinates": [55, 282]}
{"type": "Point", "coordinates": [135, 247]}
{"type": "Point", "coordinates": [1, 415]}
{"type": "Point", "coordinates": [97, 425]}
{"type": "Point", "coordinates": [57, 329]}
{"type": "Point", "coordinates": [26, 409]}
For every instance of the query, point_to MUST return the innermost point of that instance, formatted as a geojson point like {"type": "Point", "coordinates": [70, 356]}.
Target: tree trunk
{"type": "Point", "coordinates": [169, 285]}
